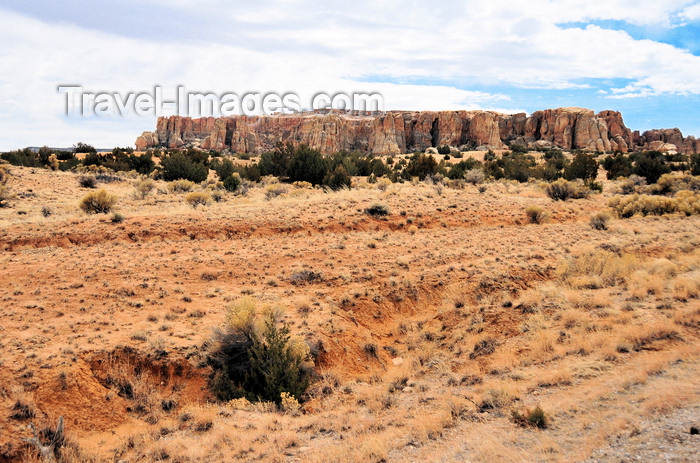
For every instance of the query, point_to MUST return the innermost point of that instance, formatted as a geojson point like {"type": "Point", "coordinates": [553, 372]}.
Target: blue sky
{"type": "Point", "coordinates": [639, 57]}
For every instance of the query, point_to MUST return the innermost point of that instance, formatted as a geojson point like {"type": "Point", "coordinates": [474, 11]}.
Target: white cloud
{"type": "Point", "coordinates": [691, 13]}
{"type": "Point", "coordinates": [338, 46]}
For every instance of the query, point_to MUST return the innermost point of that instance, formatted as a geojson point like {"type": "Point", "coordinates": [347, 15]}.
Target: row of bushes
{"type": "Point", "coordinates": [102, 202]}
{"type": "Point", "coordinates": [119, 159]}
{"type": "Point", "coordinates": [686, 202]}
{"type": "Point", "coordinates": [650, 165]}
{"type": "Point", "coordinates": [667, 184]}
{"type": "Point", "coordinates": [289, 163]}
{"type": "Point", "coordinates": [302, 163]}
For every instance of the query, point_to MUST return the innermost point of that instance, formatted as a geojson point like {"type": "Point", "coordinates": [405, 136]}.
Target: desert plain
{"type": "Point", "coordinates": [430, 329]}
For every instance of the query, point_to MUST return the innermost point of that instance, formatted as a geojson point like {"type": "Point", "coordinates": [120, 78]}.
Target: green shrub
{"type": "Point", "coordinates": [274, 365]}
{"type": "Point", "coordinates": [555, 157]}
{"type": "Point", "coordinates": [517, 147]}
{"type": "Point", "coordinates": [547, 172]}
{"type": "Point", "coordinates": [143, 164]}
{"type": "Point", "coordinates": [81, 147]}
{"type": "Point", "coordinates": [276, 162]}
{"type": "Point", "coordinates": [536, 214]}
{"type": "Point", "coordinates": [583, 166]}
{"type": "Point", "coordinates": [24, 157]}
{"type": "Point", "coordinates": [458, 170]}
{"type": "Point", "coordinates": [179, 166]}
{"type": "Point", "coordinates": [651, 165]}
{"type": "Point", "coordinates": [535, 417]}
{"type": "Point", "coordinates": [444, 149]}
{"type": "Point", "coordinates": [256, 357]}
{"type": "Point", "coordinates": [87, 181]}
{"type": "Point", "coordinates": [420, 165]}
{"type": "Point", "coordinates": [616, 166]}
{"type": "Point", "coordinates": [117, 218]}
{"type": "Point", "coordinates": [198, 198]}
{"type": "Point", "coordinates": [594, 186]}
{"type": "Point", "coordinates": [563, 189]}
{"type": "Point", "coordinates": [308, 165]}
{"type": "Point", "coordinates": [232, 182]}
{"type": "Point", "coordinates": [695, 164]}
{"type": "Point", "coordinates": [98, 202]}
{"type": "Point", "coordinates": [118, 160]}
{"type": "Point", "coordinates": [517, 166]}
{"type": "Point", "coordinates": [250, 172]}
{"type": "Point", "coordinates": [337, 179]}
{"type": "Point", "coordinates": [69, 164]}
{"type": "Point", "coordinates": [224, 169]}
{"type": "Point", "coordinates": [377, 210]}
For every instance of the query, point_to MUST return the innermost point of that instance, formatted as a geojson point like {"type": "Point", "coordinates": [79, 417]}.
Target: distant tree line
{"type": "Point", "coordinates": [302, 163]}
{"type": "Point", "coordinates": [119, 159]}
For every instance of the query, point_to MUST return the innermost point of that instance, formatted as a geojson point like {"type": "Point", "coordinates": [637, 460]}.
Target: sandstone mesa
{"type": "Point", "coordinates": [396, 132]}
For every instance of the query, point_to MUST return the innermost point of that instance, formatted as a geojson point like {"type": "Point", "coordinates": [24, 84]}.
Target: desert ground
{"type": "Point", "coordinates": [429, 326]}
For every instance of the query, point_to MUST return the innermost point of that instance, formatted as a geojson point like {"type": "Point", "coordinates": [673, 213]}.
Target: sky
{"type": "Point", "coordinates": [639, 57]}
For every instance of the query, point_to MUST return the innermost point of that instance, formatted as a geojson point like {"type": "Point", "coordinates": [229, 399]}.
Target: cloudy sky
{"type": "Point", "coordinates": [641, 57]}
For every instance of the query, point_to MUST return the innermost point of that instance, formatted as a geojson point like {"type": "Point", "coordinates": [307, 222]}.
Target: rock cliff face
{"type": "Point", "coordinates": [397, 132]}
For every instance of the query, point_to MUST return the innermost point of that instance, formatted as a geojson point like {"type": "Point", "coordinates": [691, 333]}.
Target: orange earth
{"type": "Point", "coordinates": [430, 325]}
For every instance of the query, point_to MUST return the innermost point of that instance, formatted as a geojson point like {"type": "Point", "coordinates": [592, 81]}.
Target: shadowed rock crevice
{"type": "Point", "coordinates": [434, 134]}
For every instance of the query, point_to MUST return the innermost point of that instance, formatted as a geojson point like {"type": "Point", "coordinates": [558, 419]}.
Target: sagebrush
{"type": "Point", "coordinates": [98, 202]}
{"type": "Point", "coordinates": [256, 357]}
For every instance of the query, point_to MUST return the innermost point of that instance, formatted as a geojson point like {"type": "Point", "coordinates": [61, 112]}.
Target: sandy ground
{"type": "Point", "coordinates": [85, 300]}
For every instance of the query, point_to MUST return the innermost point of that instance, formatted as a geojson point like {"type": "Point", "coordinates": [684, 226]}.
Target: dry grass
{"type": "Point", "coordinates": [99, 202]}
{"type": "Point", "coordinates": [470, 314]}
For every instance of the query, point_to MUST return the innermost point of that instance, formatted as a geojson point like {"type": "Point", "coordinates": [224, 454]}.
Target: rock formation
{"type": "Point", "coordinates": [397, 132]}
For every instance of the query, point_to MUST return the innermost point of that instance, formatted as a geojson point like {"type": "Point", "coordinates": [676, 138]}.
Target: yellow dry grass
{"type": "Point", "coordinates": [472, 311]}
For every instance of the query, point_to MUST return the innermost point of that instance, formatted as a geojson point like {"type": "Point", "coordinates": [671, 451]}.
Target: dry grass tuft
{"type": "Point", "coordinates": [685, 202]}
{"type": "Point", "coordinates": [98, 202]}
{"type": "Point", "coordinates": [597, 268]}
{"type": "Point", "coordinates": [536, 214]}
{"type": "Point", "coordinates": [5, 195]}
{"type": "Point", "coordinates": [198, 198]}
{"type": "Point", "coordinates": [180, 186]}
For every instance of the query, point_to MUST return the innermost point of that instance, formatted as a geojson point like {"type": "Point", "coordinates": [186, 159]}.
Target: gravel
{"type": "Point", "coordinates": [666, 439]}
